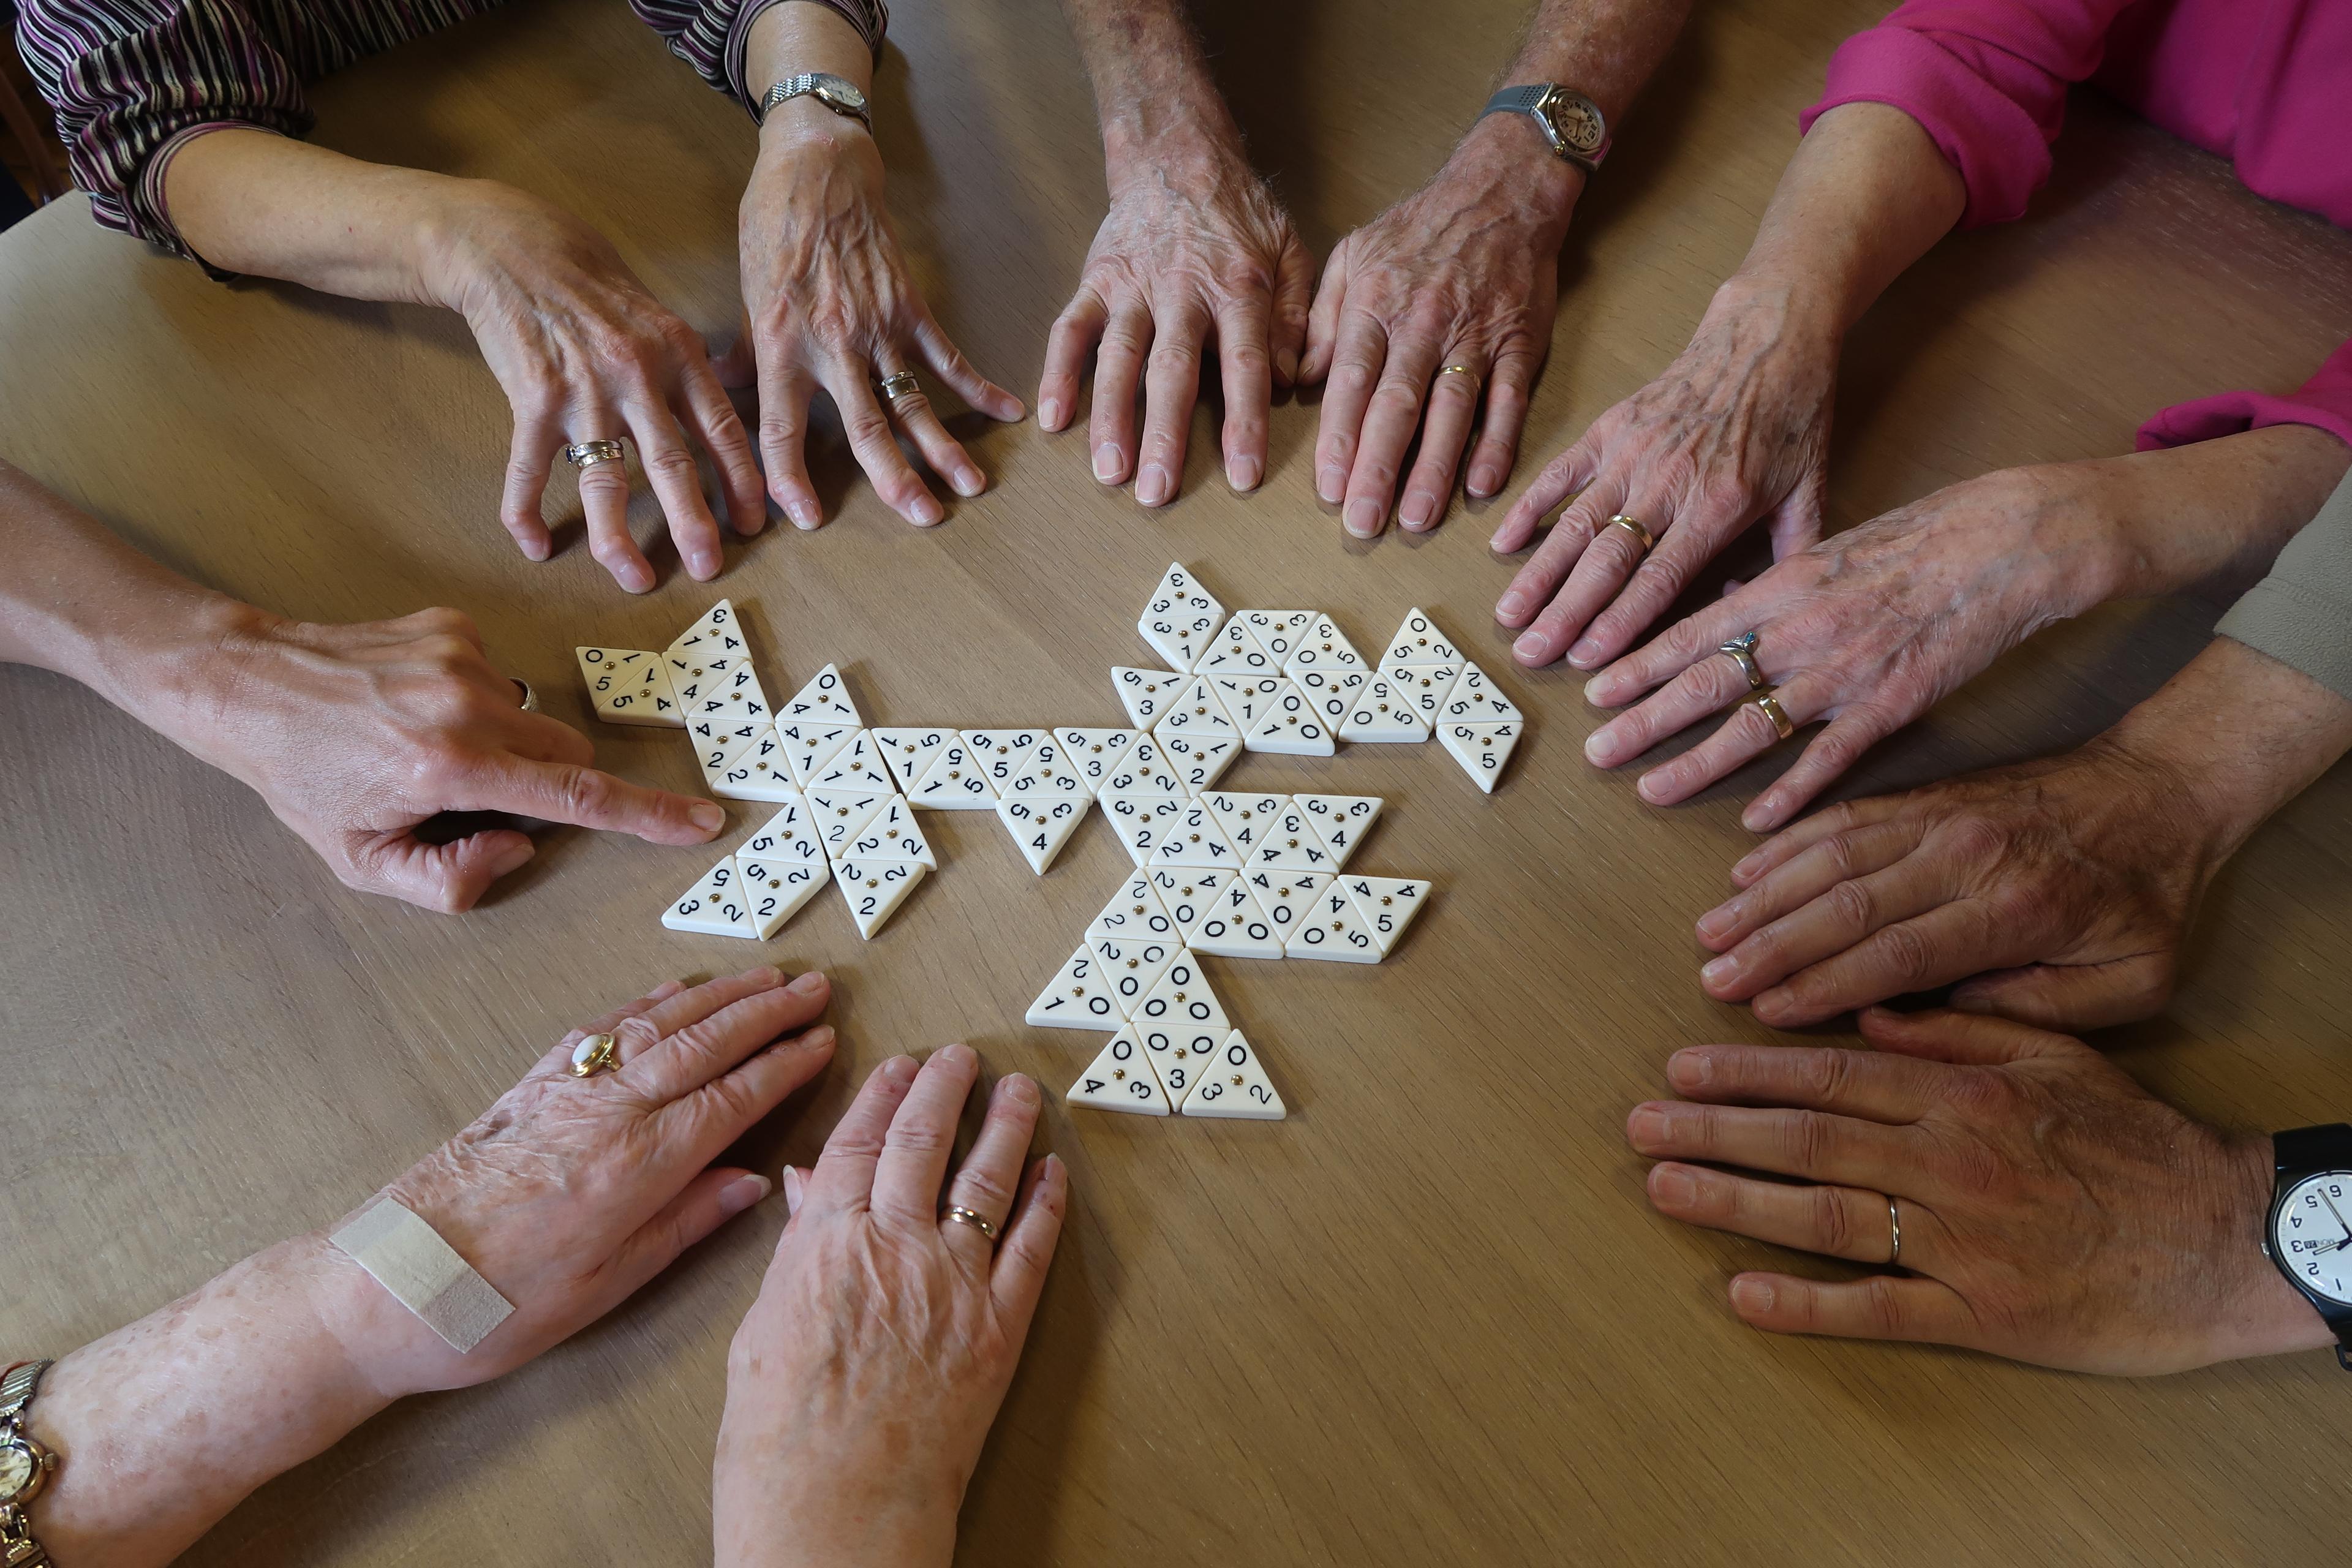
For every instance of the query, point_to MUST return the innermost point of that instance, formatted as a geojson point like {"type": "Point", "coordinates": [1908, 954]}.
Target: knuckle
{"type": "Point", "coordinates": [1827, 1075]}
{"type": "Point", "coordinates": [1833, 1222]}
{"type": "Point", "coordinates": [1883, 1306]}
{"type": "Point", "coordinates": [869, 427]}
{"type": "Point", "coordinates": [1852, 905]}
{"type": "Point", "coordinates": [1812, 1138]}
{"type": "Point", "coordinates": [981, 1190]}
{"type": "Point", "coordinates": [670, 463]}
{"type": "Point", "coordinates": [1906, 953]}
{"type": "Point", "coordinates": [921, 1138]}
{"type": "Point", "coordinates": [584, 792]}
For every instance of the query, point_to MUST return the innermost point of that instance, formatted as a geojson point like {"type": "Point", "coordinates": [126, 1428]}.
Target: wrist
{"type": "Point", "coordinates": [183, 678]}
{"type": "Point", "coordinates": [2263, 1314]}
{"type": "Point", "coordinates": [1164, 142]}
{"type": "Point", "coordinates": [1507, 158]}
{"type": "Point", "coordinates": [780, 1505]}
{"type": "Point", "coordinates": [805, 128]}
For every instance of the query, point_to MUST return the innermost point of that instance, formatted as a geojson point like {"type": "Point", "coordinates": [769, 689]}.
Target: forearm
{"type": "Point", "coordinates": [789, 40]}
{"type": "Point", "coordinates": [163, 1427]}
{"type": "Point", "coordinates": [2212, 514]}
{"type": "Point", "coordinates": [2242, 733]}
{"type": "Point", "coordinates": [1151, 83]}
{"type": "Point", "coordinates": [250, 202]}
{"type": "Point", "coordinates": [1866, 195]}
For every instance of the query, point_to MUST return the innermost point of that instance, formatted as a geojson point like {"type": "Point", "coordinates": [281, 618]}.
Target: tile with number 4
{"type": "Point", "coordinates": [628, 686]}
{"type": "Point", "coordinates": [874, 890]}
{"type": "Point", "coordinates": [1232, 924]}
{"type": "Point", "coordinates": [808, 746]}
{"type": "Point", "coordinates": [1287, 897]}
{"type": "Point", "coordinates": [755, 770]}
{"type": "Point", "coordinates": [1194, 839]}
{"type": "Point", "coordinates": [716, 634]}
{"type": "Point", "coordinates": [713, 905]}
{"type": "Point", "coordinates": [1041, 827]}
{"type": "Point", "coordinates": [1480, 749]}
{"type": "Point", "coordinates": [1245, 819]}
{"type": "Point", "coordinates": [1234, 1084]}
{"type": "Point", "coordinates": [1292, 844]}
{"type": "Point", "coordinates": [1120, 1079]}
{"type": "Point", "coordinates": [1340, 820]}
{"type": "Point", "coordinates": [1387, 903]}
{"type": "Point", "coordinates": [1334, 929]}
{"type": "Point", "coordinates": [1475, 699]}
{"type": "Point", "coordinates": [822, 699]}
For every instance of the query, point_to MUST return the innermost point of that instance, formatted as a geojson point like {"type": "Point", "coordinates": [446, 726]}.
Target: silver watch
{"type": "Point", "coordinates": [838, 93]}
{"type": "Point", "coordinates": [1570, 121]}
{"type": "Point", "coordinates": [24, 1468]}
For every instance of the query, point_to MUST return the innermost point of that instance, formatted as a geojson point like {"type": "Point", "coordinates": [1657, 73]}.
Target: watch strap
{"type": "Point", "coordinates": [1520, 100]}
{"type": "Point", "coordinates": [1529, 99]}
{"type": "Point", "coordinates": [17, 1388]}
{"type": "Point", "coordinates": [2302, 1151]}
{"type": "Point", "coordinates": [805, 85]}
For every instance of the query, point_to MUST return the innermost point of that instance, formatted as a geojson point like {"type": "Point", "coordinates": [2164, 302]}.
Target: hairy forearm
{"type": "Point", "coordinates": [1151, 81]}
{"type": "Point", "coordinates": [163, 1427]}
{"type": "Point", "coordinates": [1866, 195]}
{"type": "Point", "coordinates": [2243, 732]}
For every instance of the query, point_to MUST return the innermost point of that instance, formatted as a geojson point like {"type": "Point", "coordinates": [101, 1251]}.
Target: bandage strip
{"type": "Point", "coordinates": [425, 1274]}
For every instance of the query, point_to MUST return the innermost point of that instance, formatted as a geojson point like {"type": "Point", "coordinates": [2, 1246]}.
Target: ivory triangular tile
{"type": "Point", "coordinates": [1332, 693]}
{"type": "Point", "coordinates": [754, 770]}
{"type": "Point", "coordinates": [874, 890]}
{"type": "Point", "coordinates": [1146, 693]}
{"type": "Point", "coordinates": [715, 634]}
{"type": "Point", "coordinates": [1234, 1084]}
{"type": "Point", "coordinates": [1236, 654]}
{"type": "Point", "coordinates": [713, 905]}
{"type": "Point", "coordinates": [1181, 999]}
{"type": "Point", "coordinates": [1199, 761]}
{"type": "Point", "coordinates": [1333, 929]}
{"type": "Point", "coordinates": [1142, 819]}
{"type": "Point", "coordinates": [788, 838]}
{"type": "Point", "coordinates": [1247, 699]}
{"type": "Point", "coordinates": [1096, 755]}
{"type": "Point", "coordinates": [1002, 755]}
{"type": "Point", "coordinates": [1480, 749]}
{"type": "Point", "coordinates": [1245, 819]}
{"type": "Point", "coordinates": [1291, 844]}
{"type": "Point", "coordinates": [1324, 647]}
{"type": "Point", "coordinates": [1195, 714]}
{"type": "Point", "coordinates": [1341, 821]}
{"type": "Point", "coordinates": [1418, 641]}
{"type": "Point", "coordinates": [1041, 827]}
{"type": "Point", "coordinates": [892, 835]}
{"type": "Point", "coordinates": [1118, 1078]}
{"type": "Point", "coordinates": [773, 891]}
{"type": "Point", "coordinates": [1475, 699]}
{"type": "Point", "coordinates": [1143, 769]}
{"type": "Point", "coordinates": [629, 685]}
{"type": "Point", "coordinates": [954, 781]}
{"type": "Point", "coordinates": [1279, 632]}
{"type": "Point", "coordinates": [1234, 926]}
{"type": "Point", "coordinates": [1133, 914]}
{"type": "Point", "coordinates": [1181, 619]}
{"type": "Point", "coordinates": [1387, 903]}
{"type": "Point", "coordinates": [908, 753]}
{"type": "Point", "coordinates": [1176, 1055]}
{"type": "Point", "coordinates": [1291, 727]}
{"type": "Point", "coordinates": [1079, 997]}
{"type": "Point", "coordinates": [1380, 711]}
{"type": "Point", "coordinates": [824, 699]}
{"type": "Point", "coordinates": [1287, 897]}
{"type": "Point", "coordinates": [810, 744]}
{"type": "Point", "coordinates": [1194, 839]}
{"type": "Point", "coordinates": [1424, 687]}
{"type": "Point", "coordinates": [840, 813]}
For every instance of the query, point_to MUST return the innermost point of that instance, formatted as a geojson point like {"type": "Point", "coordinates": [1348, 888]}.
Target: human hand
{"type": "Point", "coordinates": [829, 301]}
{"type": "Point", "coordinates": [1465, 271]}
{"type": "Point", "coordinates": [357, 735]}
{"type": "Point", "coordinates": [1868, 629]}
{"type": "Point", "coordinates": [569, 1193]}
{"type": "Point", "coordinates": [1194, 250]}
{"type": "Point", "coordinates": [584, 353]}
{"type": "Point", "coordinates": [2066, 885]}
{"type": "Point", "coordinates": [1737, 428]}
{"type": "Point", "coordinates": [866, 1375]}
{"type": "Point", "coordinates": [2052, 1210]}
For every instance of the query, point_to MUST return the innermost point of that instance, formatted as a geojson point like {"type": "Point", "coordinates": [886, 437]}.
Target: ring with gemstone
{"type": "Point", "coordinates": [594, 1055]}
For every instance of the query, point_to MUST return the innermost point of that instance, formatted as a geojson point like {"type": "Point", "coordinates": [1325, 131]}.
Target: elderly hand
{"type": "Point", "coordinates": [1463, 272]}
{"type": "Point", "coordinates": [1868, 629]}
{"type": "Point", "coordinates": [2053, 1211]}
{"type": "Point", "coordinates": [569, 1193]}
{"type": "Point", "coordinates": [357, 735]}
{"type": "Point", "coordinates": [584, 353]}
{"type": "Point", "coordinates": [1193, 250]}
{"type": "Point", "coordinates": [2072, 879]}
{"type": "Point", "coordinates": [1737, 428]}
{"type": "Point", "coordinates": [865, 1377]}
{"type": "Point", "coordinates": [830, 302]}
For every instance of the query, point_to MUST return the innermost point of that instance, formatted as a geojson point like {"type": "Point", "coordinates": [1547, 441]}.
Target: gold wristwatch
{"type": "Point", "coordinates": [24, 1468]}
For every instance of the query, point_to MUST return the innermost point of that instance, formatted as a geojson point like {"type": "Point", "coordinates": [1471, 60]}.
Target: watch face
{"type": "Point", "coordinates": [844, 94]}
{"type": "Point", "coordinates": [16, 1469]}
{"type": "Point", "coordinates": [1578, 125]}
{"type": "Point", "coordinates": [2311, 1234]}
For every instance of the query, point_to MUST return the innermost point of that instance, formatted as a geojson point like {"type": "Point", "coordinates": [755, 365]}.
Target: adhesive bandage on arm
{"type": "Point", "coordinates": [425, 1274]}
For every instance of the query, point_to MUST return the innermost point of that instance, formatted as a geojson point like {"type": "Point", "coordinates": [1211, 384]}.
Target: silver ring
{"type": "Point", "coordinates": [1894, 1224]}
{"type": "Point", "coordinates": [529, 698]}
{"type": "Point", "coordinates": [968, 1217]}
{"type": "Point", "coordinates": [1743, 648]}
{"type": "Point", "coordinates": [588, 454]}
{"type": "Point", "coordinates": [900, 385]}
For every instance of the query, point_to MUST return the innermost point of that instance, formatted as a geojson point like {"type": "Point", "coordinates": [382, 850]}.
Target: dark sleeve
{"type": "Point", "coordinates": [709, 34]}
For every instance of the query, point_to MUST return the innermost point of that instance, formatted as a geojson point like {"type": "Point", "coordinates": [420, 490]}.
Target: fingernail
{"type": "Point", "coordinates": [1483, 482]}
{"type": "Point", "coordinates": [804, 514]}
{"type": "Point", "coordinates": [1286, 364]}
{"type": "Point", "coordinates": [926, 511]}
{"type": "Point", "coordinates": [1584, 652]}
{"type": "Point", "coordinates": [705, 564]}
{"type": "Point", "coordinates": [808, 984]}
{"type": "Point", "coordinates": [1049, 413]}
{"type": "Point", "coordinates": [1151, 485]}
{"type": "Point", "coordinates": [1649, 1126]}
{"type": "Point", "coordinates": [1363, 517]}
{"type": "Point", "coordinates": [1714, 922]}
{"type": "Point", "coordinates": [1674, 1187]}
{"type": "Point", "coordinates": [1107, 463]}
{"type": "Point", "coordinates": [742, 1192]}
{"type": "Point", "coordinates": [636, 579]}
{"type": "Point", "coordinates": [899, 1069]}
{"type": "Point", "coordinates": [1330, 482]}
{"type": "Point", "coordinates": [1511, 605]}
{"type": "Point", "coordinates": [1530, 646]}
{"type": "Point", "coordinates": [958, 1054]}
{"type": "Point", "coordinates": [1600, 750]}
{"type": "Point", "coordinates": [515, 857]}
{"type": "Point", "coordinates": [707, 815]}
{"type": "Point", "coordinates": [1020, 1089]}
{"type": "Point", "coordinates": [791, 1191]}
{"type": "Point", "coordinates": [1693, 1069]}
{"type": "Point", "coordinates": [1716, 970]}
{"type": "Point", "coordinates": [1751, 1295]}
{"type": "Point", "coordinates": [1775, 1002]}
{"type": "Point", "coordinates": [1747, 865]}
{"type": "Point", "coordinates": [1416, 511]}
{"type": "Point", "coordinates": [1597, 690]}
{"type": "Point", "coordinates": [538, 550]}
{"type": "Point", "coordinates": [1244, 472]}
{"type": "Point", "coordinates": [968, 481]}
{"type": "Point", "coordinates": [1758, 817]}
{"type": "Point", "coordinates": [820, 1038]}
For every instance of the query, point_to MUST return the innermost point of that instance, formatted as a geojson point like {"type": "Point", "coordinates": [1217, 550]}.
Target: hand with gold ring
{"type": "Point", "coordinates": [2001, 1157]}
{"type": "Point", "coordinates": [829, 300]}
{"type": "Point", "coordinates": [863, 1382]}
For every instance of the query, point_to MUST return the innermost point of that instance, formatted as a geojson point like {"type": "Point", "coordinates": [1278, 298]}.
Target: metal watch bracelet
{"type": "Point", "coordinates": [24, 1467]}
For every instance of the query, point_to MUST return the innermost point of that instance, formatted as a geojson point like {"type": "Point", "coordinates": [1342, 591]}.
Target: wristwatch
{"type": "Point", "coordinates": [24, 1467]}
{"type": "Point", "coordinates": [2310, 1232]}
{"type": "Point", "coordinates": [1570, 121]}
{"type": "Point", "coordinates": [838, 93]}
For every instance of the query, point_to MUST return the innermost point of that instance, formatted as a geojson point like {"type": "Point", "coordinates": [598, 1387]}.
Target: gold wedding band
{"type": "Point", "coordinates": [1769, 706]}
{"type": "Point", "coordinates": [898, 386]}
{"type": "Point", "coordinates": [588, 454]}
{"type": "Point", "coordinates": [593, 1054]}
{"type": "Point", "coordinates": [1464, 370]}
{"type": "Point", "coordinates": [967, 1217]}
{"type": "Point", "coordinates": [1633, 525]}
{"type": "Point", "coordinates": [1742, 649]}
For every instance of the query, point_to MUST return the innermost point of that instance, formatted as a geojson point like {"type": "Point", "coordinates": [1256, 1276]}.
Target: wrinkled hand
{"type": "Point", "coordinates": [2067, 884]}
{"type": "Point", "coordinates": [1465, 272]}
{"type": "Point", "coordinates": [1867, 629]}
{"type": "Point", "coordinates": [865, 1377]}
{"type": "Point", "coordinates": [2053, 1211]}
{"type": "Point", "coordinates": [830, 302]}
{"type": "Point", "coordinates": [570, 1194]}
{"type": "Point", "coordinates": [1737, 428]}
{"type": "Point", "coordinates": [584, 353]}
{"type": "Point", "coordinates": [357, 735]}
{"type": "Point", "coordinates": [1193, 251]}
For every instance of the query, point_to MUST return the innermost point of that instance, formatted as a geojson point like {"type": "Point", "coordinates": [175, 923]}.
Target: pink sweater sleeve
{"type": "Point", "coordinates": [1986, 79]}
{"type": "Point", "coordinates": [2324, 401]}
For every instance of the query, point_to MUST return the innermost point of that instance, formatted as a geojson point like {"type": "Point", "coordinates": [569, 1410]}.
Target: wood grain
{"type": "Point", "coordinates": [1429, 1319]}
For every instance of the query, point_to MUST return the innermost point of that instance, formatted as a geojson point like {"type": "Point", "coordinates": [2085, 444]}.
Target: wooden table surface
{"type": "Point", "coordinates": [1429, 1319]}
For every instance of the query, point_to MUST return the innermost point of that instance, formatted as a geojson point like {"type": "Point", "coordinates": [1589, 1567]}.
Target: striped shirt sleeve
{"type": "Point", "coordinates": [709, 34]}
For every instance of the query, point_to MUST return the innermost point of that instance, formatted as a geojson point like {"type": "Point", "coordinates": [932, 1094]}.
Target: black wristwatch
{"type": "Point", "coordinates": [2309, 1236]}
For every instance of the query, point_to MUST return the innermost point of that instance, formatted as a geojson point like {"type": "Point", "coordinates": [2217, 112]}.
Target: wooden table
{"type": "Point", "coordinates": [1427, 1320]}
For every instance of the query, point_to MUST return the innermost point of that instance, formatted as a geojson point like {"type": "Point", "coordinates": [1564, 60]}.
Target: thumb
{"type": "Point", "coordinates": [449, 877]}
{"type": "Point", "coordinates": [1294, 295]}
{"type": "Point", "coordinates": [1323, 318]}
{"type": "Point", "coordinates": [1796, 522]}
{"type": "Point", "coordinates": [1963, 1040]}
{"type": "Point", "coordinates": [2071, 996]}
{"type": "Point", "coordinates": [586, 797]}
{"type": "Point", "coordinates": [738, 367]}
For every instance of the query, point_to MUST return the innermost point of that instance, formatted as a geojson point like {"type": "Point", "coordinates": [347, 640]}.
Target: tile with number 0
{"type": "Point", "coordinates": [824, 699]}
{"type": "Point", "coordinates": [1041, 827]}
{"type": "Point", "coordinates": [1236, 654]}
{"type": "Point", "coordinates": [1247, 699]}
{"type": "Point", "coordinates": [1418, 642]}
{"type": "Point", "coordinates": [1234, 1084]}
{"type": "Point", "coordinates": [1334, 929]}
{"type": "Point", "coordinates": [1287, 897]}
{"type": "Point", "coordinates": [874, 890]}
{"type": "Point", "coordinates": [1332, 693]}
{"type": "Point", "coordinates": [1326, 648]}
{"type": "Point", "coordinates": [713, 905]}
{"type": "Point", "coordinates": [1079, 997]}
{"type": "Point", "coordinates": [1279, 632]}
{"type": "Point", "coordinates": [1176, 1054]}
{"type": "Point", "coordinates": [1146, 693]}
{"type": "Point", "coordinates": [1291, 727]}
{"type": "Point", "coordinates": [1480, 749]}
{"type": "Point", "coordinates": [1381, 711]}
{"type": "Point", "coordinates": [1133, 914]}
{"type": "Point", "coordinates": [1118, 1078]}
{"type": "Point", "coordinates": [1181, 998]}
{"type": "Point", "coordinates": [629, 685]}
{"type": "Point", "coordinates": [1232, 924]}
